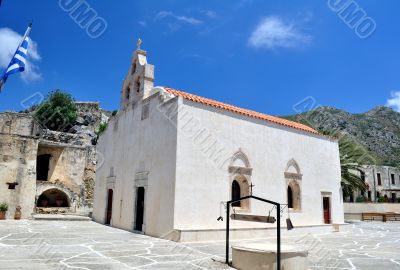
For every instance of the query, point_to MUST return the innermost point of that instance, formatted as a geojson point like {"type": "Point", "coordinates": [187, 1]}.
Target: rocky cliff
{"type": "Point", "coordinates": [378, 129]}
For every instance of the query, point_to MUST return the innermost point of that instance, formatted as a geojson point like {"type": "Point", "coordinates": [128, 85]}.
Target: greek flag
{"type": "Point", "coordinates": [18, 61]}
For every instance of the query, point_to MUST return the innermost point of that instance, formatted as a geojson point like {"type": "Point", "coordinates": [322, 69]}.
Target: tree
{"type": "Point", "coordinates": [352, 157]}
{"type": "Point", "coordinates": [57, 112]}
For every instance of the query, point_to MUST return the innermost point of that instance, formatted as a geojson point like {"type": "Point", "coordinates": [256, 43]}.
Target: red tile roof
{"type": "Point", "coordinates": [249, 113]}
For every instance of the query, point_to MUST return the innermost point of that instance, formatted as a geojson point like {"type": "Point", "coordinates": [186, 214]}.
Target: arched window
{"type": "Point", "coordinates": [293, 178]}
{"type": "Point", "coordinates": [133, 68]}
{"type": "Point", "coordinates": [290, 197]}
{"type": "Point", "coordinates": [138, 85]}
{"type": "Point", "coordinates": [127, 93]}
{"type": "Point", "coordinates": [294, 196]}
{"type": "Point", "coordinates": [236, 193]}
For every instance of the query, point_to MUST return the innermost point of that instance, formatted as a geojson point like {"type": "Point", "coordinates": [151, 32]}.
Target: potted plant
{"type": "Point", "coordinates": [44, 202]}
{"type": "Point", "coordinates": [3, 210]}
{"type": "Point", "coordinates": [18, 213]}
{"type": "Point", "coordinates": [59, 201]}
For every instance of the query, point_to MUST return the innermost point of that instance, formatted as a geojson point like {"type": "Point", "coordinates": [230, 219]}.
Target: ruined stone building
{"type": "Point", "coordinates": [171, 158]}
{"type": "Point", "coordinates": [47, 171]}
{"type": "Point", "coordinates": [382, 181]}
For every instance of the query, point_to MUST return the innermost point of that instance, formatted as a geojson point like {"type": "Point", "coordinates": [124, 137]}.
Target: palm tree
{"type": "Point", "coordinates": [352, 156]}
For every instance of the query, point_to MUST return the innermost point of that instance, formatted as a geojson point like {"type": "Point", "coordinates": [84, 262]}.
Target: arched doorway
{"type": "Point", "coordinates": [235, 193]}
{"type": "Point", "coordinates": [290, 197]}
{"type": "Point", "coordinates": [294, 196]}
{"type": "Point", "coordinates": [109, 206]}
{"type": "Point", "coordinates": [139, 215]}
{"type": "Point", "coordinates": [53, 198]}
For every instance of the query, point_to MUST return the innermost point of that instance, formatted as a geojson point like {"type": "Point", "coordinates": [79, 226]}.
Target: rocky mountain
{"type": "Point", "coordinates": [90, 115]}
{"type": "Point", "coordinates": [378, 130]}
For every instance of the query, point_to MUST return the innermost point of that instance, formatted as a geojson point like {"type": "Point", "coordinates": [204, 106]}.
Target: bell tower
{"type": "Point", "coordinates": [140, 79]}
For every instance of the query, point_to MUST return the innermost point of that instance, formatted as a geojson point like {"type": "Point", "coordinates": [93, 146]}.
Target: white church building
{"type": "Point", "coordinates": [172, 158]}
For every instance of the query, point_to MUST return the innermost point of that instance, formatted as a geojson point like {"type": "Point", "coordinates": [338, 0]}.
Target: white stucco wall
{"type": "Point", "coordinates": [135, 147]}
{"type": "Point", "coordinates": [201, 184]}
{"type": "Point", "coordinates": [187, 179]}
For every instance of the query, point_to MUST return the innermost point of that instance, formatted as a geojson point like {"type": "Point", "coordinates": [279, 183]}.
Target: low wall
{"type": "Point", "coordinates": [353, 211]}
{"type": "Point", "coordinates": [251, 233]}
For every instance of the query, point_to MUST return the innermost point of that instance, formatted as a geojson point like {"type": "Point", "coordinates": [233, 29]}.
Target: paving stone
{"type": "Point", "coordinates": [63, 245]}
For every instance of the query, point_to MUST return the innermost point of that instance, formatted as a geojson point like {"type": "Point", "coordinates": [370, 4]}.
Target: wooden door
{"type": "Point", "coordinates": [109, 206]}
{"type": "Point", "coordinates": [139, 209]}
{"type": "Point", "coordinates": [327, 210]}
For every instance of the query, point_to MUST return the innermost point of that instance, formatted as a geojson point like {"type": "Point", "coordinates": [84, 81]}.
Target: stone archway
{"type": "Point", "coordinates": [53, 198]}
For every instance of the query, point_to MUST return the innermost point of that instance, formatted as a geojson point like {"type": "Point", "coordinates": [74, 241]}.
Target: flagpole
{"type": "Point", "coordinates": [28, 30]}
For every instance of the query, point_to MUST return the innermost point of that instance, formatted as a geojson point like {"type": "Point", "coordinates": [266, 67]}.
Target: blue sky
{"type": "Point", "coordinates": [258, 54]}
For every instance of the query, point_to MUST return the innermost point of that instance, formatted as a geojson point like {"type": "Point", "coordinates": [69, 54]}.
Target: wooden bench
{"type": "Point", "coordinates": [373, 217]}
{"type": "Point", "coordinates": [384, 217]}
{"type": "Point", "coordinates": [392, 217]}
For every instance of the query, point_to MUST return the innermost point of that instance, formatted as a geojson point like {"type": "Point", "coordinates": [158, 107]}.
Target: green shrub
{"type": "Point", "coordinates": [360, 199]}
{"type": "Point", "coordinates": [398, 200]}
{"type": "Point", "coordinates": [381, 199]}
{"type": "Point", "coordinates": [102, 127]}
{"type": "Point", "coordinates": [57, 112]}
{"type": "Point", "coordinates": [3, 207]}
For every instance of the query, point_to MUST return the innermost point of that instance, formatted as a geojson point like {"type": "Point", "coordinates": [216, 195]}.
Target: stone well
{"type": "Point", "coordinates": [256, 256]}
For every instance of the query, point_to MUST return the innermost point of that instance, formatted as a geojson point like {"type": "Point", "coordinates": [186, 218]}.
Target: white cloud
{"type": "Point", "coordinates": [142, 23]}
{"type": "Point", "coordinates": [9, 41]}
{"type": "Point", "coordinates": [209, 13]}
{"type": "Point", "coordinates": [162, 14]}
{"type": "Point", "coordinates": [189, 20]}
{"type": "Point", "coordinates": [273, 32]}
{"type": "Point", "coordinates": [394, 101]}
{"type": "Point", "coordinates": [184, 19]}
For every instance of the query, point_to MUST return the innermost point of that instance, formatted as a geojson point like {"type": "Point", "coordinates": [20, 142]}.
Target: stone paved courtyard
{"type": "Point", "coordinates": [87, 245]}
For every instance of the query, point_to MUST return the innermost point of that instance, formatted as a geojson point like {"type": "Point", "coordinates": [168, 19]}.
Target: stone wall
{"type": "Point", "coordinates": [353, 211]}
{"type": "Point", "coordinates": [67, 165]}
{"type": "Point", "coordinates": [72, 160]}
{"type": "Point", "coordinates": [72, 168]}
{"type": "Point", "coordinates": [17, 165]}
{"type": "Point", "coordinates": [21, 124]}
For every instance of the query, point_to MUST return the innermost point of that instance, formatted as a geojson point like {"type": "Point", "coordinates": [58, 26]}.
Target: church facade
{"type": "Point", "coordinates": [172, 158]}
